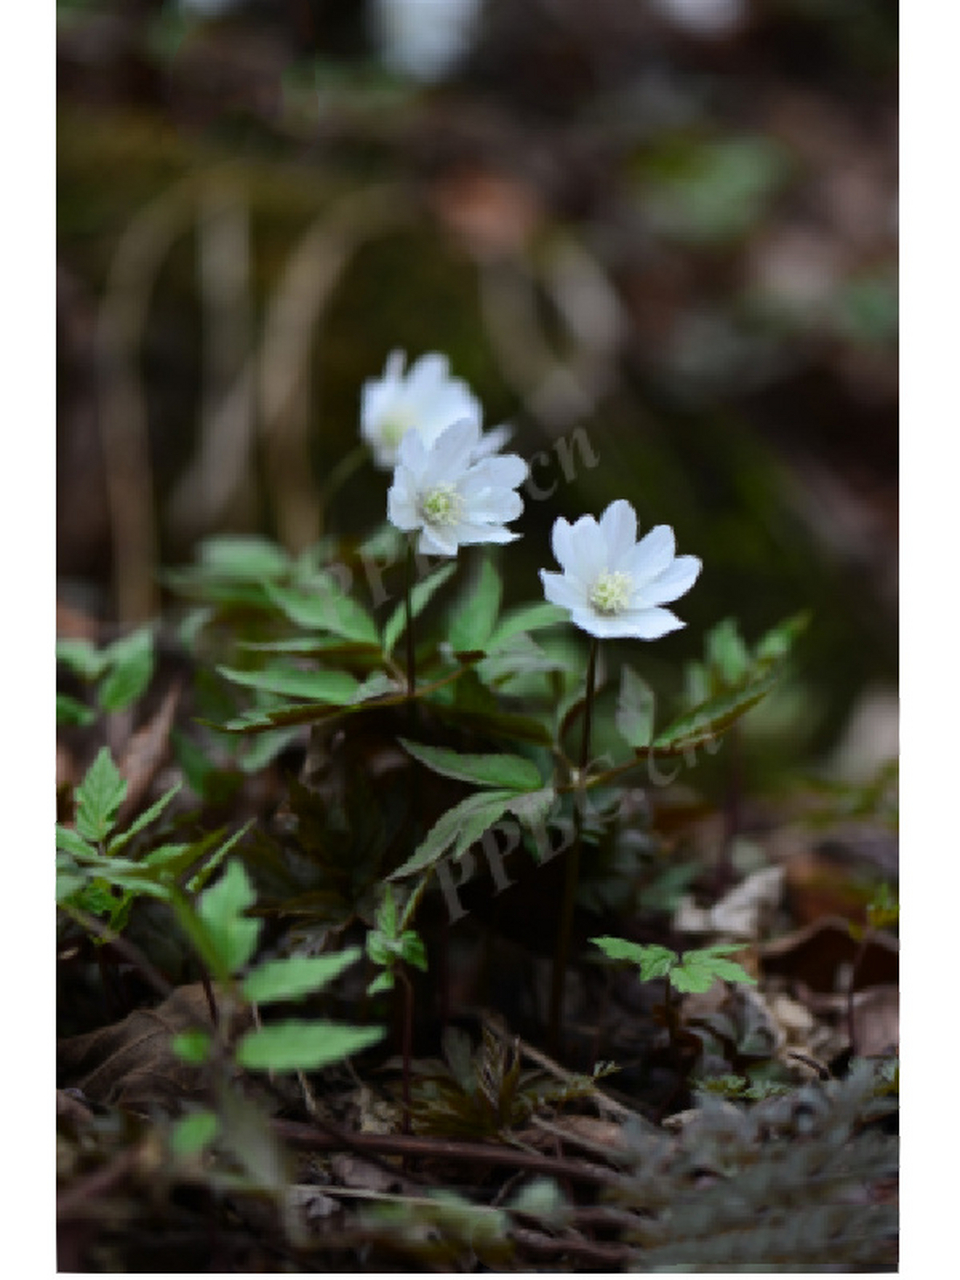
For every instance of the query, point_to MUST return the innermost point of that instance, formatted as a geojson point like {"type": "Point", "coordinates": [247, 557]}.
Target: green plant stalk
{"type": "Point", "coordinates": [572, 868]}
{"type": "Point", "coordinates": [411, 647]}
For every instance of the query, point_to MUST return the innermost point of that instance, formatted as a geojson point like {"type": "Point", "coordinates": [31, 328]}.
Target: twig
{"type": "Point", "coordinates": [307, 1138]}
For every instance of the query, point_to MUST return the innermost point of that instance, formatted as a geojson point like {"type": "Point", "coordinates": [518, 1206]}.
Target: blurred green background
{"type": "Point", "coordinates": [657, 236]}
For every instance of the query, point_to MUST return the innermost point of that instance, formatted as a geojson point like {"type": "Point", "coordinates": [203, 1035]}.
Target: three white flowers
{"type": "Point", "coordinates": [452, 486]}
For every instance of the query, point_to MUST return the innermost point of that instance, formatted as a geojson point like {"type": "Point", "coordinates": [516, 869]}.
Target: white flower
{"type": "Point", "coordinates": [612, 584]}
{"type": "Point", "coordinates": [453, 497]}
{"type": "Point", "coordinates": [425, 397]}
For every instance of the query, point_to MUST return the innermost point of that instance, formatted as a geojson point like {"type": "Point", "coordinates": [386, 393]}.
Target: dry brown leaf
{"type": "Point", "coordinates": [130, 1064]}
{"type": "Point", "coordinates": [146, 752]}
{"type": "Point", "coordinates": [819, 954]}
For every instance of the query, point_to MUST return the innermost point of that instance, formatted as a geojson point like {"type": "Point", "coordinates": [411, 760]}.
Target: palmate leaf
{"type": "Point", "coordinates": [293, 977]}
{"type": "Point", "coordinates": [420, 596]}
{"type": "Point", "coordinates": [332, 687]}
{"type": "Point", "coordinates": [513, 772]}
{"type": "Point", "coordinates": [99, 797]}
{"type": "Point", "coordinates": [302, 1046]}
{"type": "Point", "coordinates": [474, 618]}
{"type": "Point", "coordinates": [699, 970]}
{"type": "Point", "coordinates": [120, 841]}
{"type": "Point", "coordinates": [71, 711]}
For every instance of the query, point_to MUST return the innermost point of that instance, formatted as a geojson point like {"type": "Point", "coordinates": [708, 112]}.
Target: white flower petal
{"type": "Point", "coordinates": [650, 624]}
{"type": "Point", "coordinates": [651, 555]}
{"type": "Point", "coordinates": [587, 556]}
{"type": "Point", "coordinates": [504, 471]}
{"type": "Point", "coordinates": [427, 373]}
{"type": "Point", "coordinates": [559, 590]}
{"type": "Point", "coordinates": [492, 441]}
{"type": "Point", "coordinates": [675, 581]}
{"type": "Point", "coordinates": [494, 506]}
{"type": "Point", "coordinates": [561, 540]}
{"type": "Point", "coordinates": [618, 524]}
{"type": "Point", "coordinates": [401, 506]}
{"type": "Point", "coordinates": [449, 455]}
{"type": "Point", "coordinates": [435, 541]}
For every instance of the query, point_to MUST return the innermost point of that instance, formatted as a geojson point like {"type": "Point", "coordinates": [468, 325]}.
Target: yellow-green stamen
{"type": "Point", "coordinates": [442, 505]}
{"type": "Point", "coordinates": [610, 593]}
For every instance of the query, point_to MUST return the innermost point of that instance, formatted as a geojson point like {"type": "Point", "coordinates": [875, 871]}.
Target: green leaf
{"type": "Point", "coordinates": [99, 797]}
{"type": "Point", "coordinates": [326, 608]}
{"type": "Point", "coordinates": [485, 771]}
{"type": "Point", "coordinates": [635, 710]}
{"type": "Point", "coordinates": [778, 642]}
{"type": "Point", "coordinates": [71, 711]}
{"type": "Point", "coordinates": [420, 595]}
{"type": "Point", "coordinates": [292, 977]}
{"type": "Point", "coordinates": [457, 829]}
{"type": "Point", "coordinates": [476, 613]}
{"type": "Point", "coordinates": [220, 908]}
{"type": "Point", "coordinates": [532, 807]}
{"type": "Point", "coordinates": [190, 1134]}
{"type": "Point", "coordinates": [119, 841]}
{"type": "Point", "coordinates": [386, 917]}
{"type": "Point", "coordinates": [336, 687]}
{"type": "Point", "coordinates": [523, 619]}
{"type": "Point", "coordinates": [82, 657]}
{"type": "Point", "coordinates": [382, 982]}
{"type": "Point", "coordinates": [69, 840]}
{"type": "Point", "coordinates": [498, 724]}
{"type": "Point", "coordinates": [130, 670]}
{"type": "Point", "coordinates": [713, 717]}
{"type": "Point", "coordinates": [699, 970]}
{"type": "Point", "coordinates": [727, 653]}
{"type": "Point", "coordinates": [192, 1046]}
{"type": "Point", "coordinates": [245, 557]}
{"type": "Point", "coordinates": [205, 872]}
{"type": "Point", "coordinates": [302, 1046]}
{"type": "Point", "coordinates": [412, 949]}
{"type": "Point", "coordinates": [653, 961]}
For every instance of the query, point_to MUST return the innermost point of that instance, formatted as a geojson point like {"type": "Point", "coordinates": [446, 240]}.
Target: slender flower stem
{"type": "Point", "coordinates": [572, 869]}
{"type": "Point", "coordinates": [411, 648]}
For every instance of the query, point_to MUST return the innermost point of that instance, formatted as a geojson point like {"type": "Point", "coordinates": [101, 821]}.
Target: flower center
{"type": "Point", "coordinates": [442, 505]}
{"type": "Point", "coordinates": [611, 592]}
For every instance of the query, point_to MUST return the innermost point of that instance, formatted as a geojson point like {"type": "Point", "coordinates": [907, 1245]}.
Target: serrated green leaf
{"type": "Point", "coordinates": [99, 797]}
{"type": "Point", "coordinates": [220, 909]}
{"type": "Point", "coordinates": [386, 917]}
{"type": "Point", "coordinates": [244, 557]}
{"type": "Point", "coordinates": [70, 711]}
{"type": "Point", "coordinates": [333, 687]}
{"type": "Point", "coordinates": [302, 1046]}
{"type": "Point", "coordinates": [326, 608]}
{"type": "Point", "coordinates": [523, 619]}
{"type": "Point", "coordinates": [150, 815]}
{"type": "Point", "coordinates": [713, 717]}
{"type": "Point", "coordinates": [191, 1046]}
{"type": "Point", "coordinates": [635, 710]}
{"type": "Point", "coordinates": [82, 657]}
{"type": "Point", "coordinates": [420, 595]}
{"type": "Point", "coordinates": [190, 1134]}
{"type": "Point", "coordinates": [72, 842]}
{"type": "Point", "coordinates": [474, 618]}
{"type": "Point", "coordinates": [510, 771]}
{"type": "Point", "coordinates": [292, 977]}
{"type": "Point", "coordinates": [457, 829]}
{"type": "Point", "coordinates": [130, 669]}
{"type": "Point", "coordinates": [699, 970]}
{"type": "Point", "coordinates": [497, 724]}
{"type": "Point", "coordinates": [532, 807]}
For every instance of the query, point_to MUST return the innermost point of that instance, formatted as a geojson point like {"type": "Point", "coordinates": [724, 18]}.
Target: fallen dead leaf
{"type": "Point", "coordinates": [146, 752]}
{"type": "Point", "coordinates": [819, 954]}
{"type": "Point", "coordinates": [742, 913]}
{"type": "Point", "coordinates": [130, 1064]}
